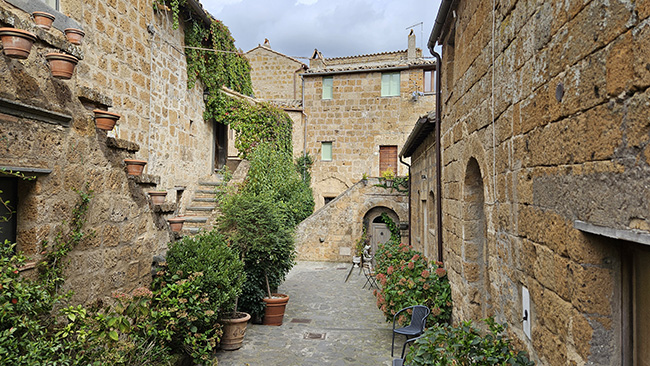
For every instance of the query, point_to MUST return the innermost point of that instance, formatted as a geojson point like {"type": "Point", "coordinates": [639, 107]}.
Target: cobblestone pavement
{"type": "Point", "coordinates": [355, 332]}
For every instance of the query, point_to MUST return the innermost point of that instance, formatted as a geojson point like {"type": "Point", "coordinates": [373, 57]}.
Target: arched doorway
{"type": "Point", "coordinates": [378, 231]}
{"type": "Point", "coordinates": [474, 252]}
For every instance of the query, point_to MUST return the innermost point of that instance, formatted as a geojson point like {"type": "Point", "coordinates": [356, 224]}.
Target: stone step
{"type": "Point", "coordinates": [191, 230]}
{"type": "Point", "coordinates": [212, 184]}
{"type": "Point", "coordinates": [201, 208]}
{"type": "Point", "coordinates": [208, 191]}
{"type": "Point", "coordinates": [203, 199]}
{"type": "Point", "coordinates": [195, 219]}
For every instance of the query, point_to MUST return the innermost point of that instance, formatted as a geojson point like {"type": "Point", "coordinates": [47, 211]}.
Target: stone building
{"type": "Point", "coordinates": [131, 62]}
{"type": "Point", "coordinates": [359, 113]}
{"type": "Point", "coordinates": [276, 80]}
{"type": "Point", "coordinates": [545, 173]}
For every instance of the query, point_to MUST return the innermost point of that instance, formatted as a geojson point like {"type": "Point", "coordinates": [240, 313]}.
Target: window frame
{"type": "Point", "coordinates": [322, 150]}
{"type": "Point", "coordinates": [56, 4]}
{"type": "Point", "coordinates": [388, 83]}
{"type": "Point", "coordinates": [432, 81]}
{"type": "Point", "coordinates": [328, 90]}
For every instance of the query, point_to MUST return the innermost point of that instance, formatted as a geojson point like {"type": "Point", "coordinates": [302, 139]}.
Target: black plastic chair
{"type": "Point", "coordinates": [416, 328]}
{"type": "Point", "coordinates": [400, 361]}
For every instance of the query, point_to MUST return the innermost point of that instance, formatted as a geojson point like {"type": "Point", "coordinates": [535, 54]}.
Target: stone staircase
{"type": "Point", "coordinates": [200, 213]}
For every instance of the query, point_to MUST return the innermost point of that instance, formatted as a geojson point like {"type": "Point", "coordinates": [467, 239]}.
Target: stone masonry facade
{"type": "Point", "coordinates": [357, 120]}
{"type": "Point", "coordinates": [545, 174]}
{"type": "Point", "coordinates": [131, 62]}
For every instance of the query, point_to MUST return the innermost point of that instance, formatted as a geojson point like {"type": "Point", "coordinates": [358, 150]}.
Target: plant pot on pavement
{"type": "Point", "coordinates": [16, 43]}
{"type": "Point", "coordinates": [274, 310]}
{"type": "Point", "coordinates": [105, 120]}
{"type": "Point", "coordinates": [234, 330]}
{"type": "Point", "coordinates": [43, 20]}
{"type": "Point", "coordinates": [61, 65]}
{"type": "Point", "coordinates": [134, 166]}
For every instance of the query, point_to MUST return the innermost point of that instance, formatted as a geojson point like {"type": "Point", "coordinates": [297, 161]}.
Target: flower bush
{"type": "Point", "coordinates": [407, 279]}
{"type": "Point", "coordinates": [464, 346]}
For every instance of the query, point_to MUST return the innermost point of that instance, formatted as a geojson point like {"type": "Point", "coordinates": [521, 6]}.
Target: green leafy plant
{"type": "Point", "coordinates": [395, 235]}
{"type": "Point", "coordinates": [303, 166]}
{"type": "Point", "coordinates": [407, 279]}
{"type": "Point", "coordinates": [465, 345]}
{"type": "Point", "coordinates": [388, 174]}
{"type": "Point", "coordinates": [222, 273]}
{"type": "Point", "coordinates": [259, 221]}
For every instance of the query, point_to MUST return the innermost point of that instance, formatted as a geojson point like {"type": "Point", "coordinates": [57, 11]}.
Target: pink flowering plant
{"type": "Point", "coordinates": [407, 278]}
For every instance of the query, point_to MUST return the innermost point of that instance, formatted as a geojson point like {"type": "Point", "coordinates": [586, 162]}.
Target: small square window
{"type": "Point", "coordinates": [326, 151]}
{"type": "Point", "coordinates": [328, 199]}
{"type": "Point", "coordinates": [54, 4]}
{"type": "Point", "coordinates": [390, 84]}
{"type": "Point", "coordinates": [429, 81]}
{"type": "Point", "coordinates": [328, 83]}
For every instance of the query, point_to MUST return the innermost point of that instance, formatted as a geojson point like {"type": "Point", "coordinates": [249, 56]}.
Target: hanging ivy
{"type": "Point", "coordinates": [213, 60]}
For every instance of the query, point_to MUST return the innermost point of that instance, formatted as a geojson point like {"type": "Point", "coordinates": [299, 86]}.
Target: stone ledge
{"type": "Point", "coordinates": [122, 144]}
{"type": "Point", "coordinates": [94, 97]}
{"type": "Point", "coordinates": [146, 179]}
{"type": "Point", "coordinates": [164, 208]}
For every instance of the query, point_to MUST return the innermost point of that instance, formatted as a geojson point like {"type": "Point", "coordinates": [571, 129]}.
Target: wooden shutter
{"type": "Point", "coordinates": [387, 158]}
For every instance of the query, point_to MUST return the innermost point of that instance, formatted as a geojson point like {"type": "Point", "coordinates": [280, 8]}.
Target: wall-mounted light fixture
{"type": "Point", "coordinates": [206, 95]}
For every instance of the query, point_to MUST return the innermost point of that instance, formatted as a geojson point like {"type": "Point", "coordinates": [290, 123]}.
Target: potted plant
{"type": "Point", "coordinates": [176, 223]}
{"type": "Point", "coordinates": [220, 279]}
{"type": "Point", "coordinates": [134, 166]}
{"type": "Point", "coordinates": [157, 197]}
{"type": "Point", "coordinates": [74, 35]}
{"type": "Point", "coordinates": [16, 43]}
{"type": "Point", "coordinates": [61, 65]}
{"type": "Point", "coordinates": [43, 20]}
{"type": "Point", "coordinates": [105, 120]}
{"type": "Point", "coordinates": [388, 176]}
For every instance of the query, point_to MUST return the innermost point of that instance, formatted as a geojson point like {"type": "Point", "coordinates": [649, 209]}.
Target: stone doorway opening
{"type": "Point", "coordinates": [378, 231]}
{"type": "Point", "coordinates": [220, 145]}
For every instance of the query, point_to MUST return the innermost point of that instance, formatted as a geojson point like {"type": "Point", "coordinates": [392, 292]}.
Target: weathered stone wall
{"type": "Point", "coordinates": [357, 120]}
{"type": "Point", "coordinates": [274, 75]}
{"type": "Point", "coordinates": [544, 123]}
{"type": "Point", "coordinates": [140, 75]}
{"type": "Point", "coordinates": [331, 232]}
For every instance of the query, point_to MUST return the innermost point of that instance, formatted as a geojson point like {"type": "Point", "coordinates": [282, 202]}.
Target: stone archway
{"type": "Point", "coordinates": [474, 250]}
{"type": "Point", "coordinates": [376, 229]}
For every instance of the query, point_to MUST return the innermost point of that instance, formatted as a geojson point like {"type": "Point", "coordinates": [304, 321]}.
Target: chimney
{"type": "Point", "coordinates": [411, 54]}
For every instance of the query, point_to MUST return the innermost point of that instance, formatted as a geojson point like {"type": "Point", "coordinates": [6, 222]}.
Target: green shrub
{"type": "Point", "coordinates": [256, 226]}
{"type": "Point", "coordinates": [408, 279]}
{"type": "Point", "coordinates": [464, 346]}
{"type": "Point", "coordinates": [222, 273]}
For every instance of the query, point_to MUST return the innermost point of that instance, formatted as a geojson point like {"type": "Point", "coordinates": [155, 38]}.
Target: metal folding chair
{"type": "Point", "coordinates": [369, 272]}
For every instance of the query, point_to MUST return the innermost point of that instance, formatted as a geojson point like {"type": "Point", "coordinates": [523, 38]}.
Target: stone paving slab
{"type": "Point", "coordinates": [355, 330]}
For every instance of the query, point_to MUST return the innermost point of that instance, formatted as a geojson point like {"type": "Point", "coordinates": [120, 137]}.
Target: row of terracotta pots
{"type": "Point", "coordinates": [17, 43]}
{"type": "Point", "coordinates": [44, 21]}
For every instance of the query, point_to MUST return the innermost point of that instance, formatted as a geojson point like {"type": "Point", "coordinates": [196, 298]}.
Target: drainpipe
{"type": "Point", "coordinates": [304, 118]}
{"type": "Point", "coordinates": [438, 149]}
{"type": "Point", "coordinates": [410, 195]}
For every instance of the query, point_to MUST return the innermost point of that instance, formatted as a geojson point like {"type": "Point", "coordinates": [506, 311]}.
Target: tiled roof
{"type": "Point", "coordinates": [368, 55]}
{"type": "Point", "coordinates": [278, 53]}
{"type": "Point", "coordinates": [362, 66]}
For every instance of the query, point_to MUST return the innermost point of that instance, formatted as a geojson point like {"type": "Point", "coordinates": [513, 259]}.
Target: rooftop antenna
{"type": "Point", "coordinates": [421, 24]}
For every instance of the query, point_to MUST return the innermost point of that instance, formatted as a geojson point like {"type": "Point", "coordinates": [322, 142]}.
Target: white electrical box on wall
{"type": "Point", "coordinates": [526, 315]}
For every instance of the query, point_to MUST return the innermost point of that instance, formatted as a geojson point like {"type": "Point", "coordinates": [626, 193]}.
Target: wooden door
{"type": "Point", "coordinates": [380, 234]}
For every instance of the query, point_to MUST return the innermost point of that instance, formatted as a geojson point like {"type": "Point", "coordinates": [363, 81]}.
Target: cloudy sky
{"type": "Point", "coordinates": [334, 27]}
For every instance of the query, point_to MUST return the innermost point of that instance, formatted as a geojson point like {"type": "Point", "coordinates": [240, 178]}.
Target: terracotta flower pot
{"type": "Point", "coordinates": [135, 166]}
{"type": "Point", "coordinates": [61, 65]}
{"type": "Point", "coordinates": [157, 197]}
{"type": "Point", "coordinates": [233, 331]}
{"type": "Point", "coordinates": [16, 43]}
{"type": "Point", "coordinates": [74, 35]}
{"type": "Point", "coordinates": [176, 224]}
{"type": "Point", "coordinates": [105, 120]}
{"type": "Point", "coordinates": [274, 311]}
{"type": "Point", "coordinates": [43, 20]}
